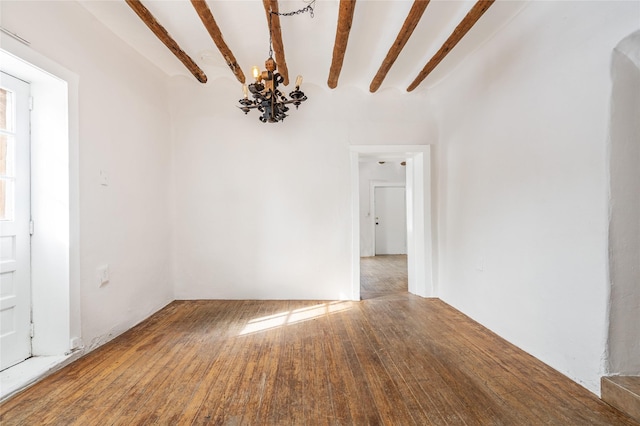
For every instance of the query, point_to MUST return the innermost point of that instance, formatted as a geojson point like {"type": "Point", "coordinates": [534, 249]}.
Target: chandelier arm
{"type": "Point", "coordinates": [292, 101]}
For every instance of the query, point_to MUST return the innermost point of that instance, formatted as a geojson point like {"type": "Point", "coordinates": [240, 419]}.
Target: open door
{"type": "Point", "coordinates": [15, 218]}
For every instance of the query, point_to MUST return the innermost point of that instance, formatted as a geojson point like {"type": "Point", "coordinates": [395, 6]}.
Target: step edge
{"type": "Point", "coordinates": [626, 395]}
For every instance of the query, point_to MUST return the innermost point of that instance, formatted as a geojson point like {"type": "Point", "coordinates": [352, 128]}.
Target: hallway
{"type": "Point", "coordinates": [383, 276]}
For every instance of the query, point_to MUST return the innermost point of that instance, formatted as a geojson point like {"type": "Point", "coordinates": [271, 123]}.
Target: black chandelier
{"type": "Point", "coordinates": [267, 98]}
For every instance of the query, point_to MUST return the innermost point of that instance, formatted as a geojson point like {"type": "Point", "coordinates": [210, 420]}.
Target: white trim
{"type": "Point", "coordinates": [355, 225]}
{"type": "Point", "coordinates": [420, 250]}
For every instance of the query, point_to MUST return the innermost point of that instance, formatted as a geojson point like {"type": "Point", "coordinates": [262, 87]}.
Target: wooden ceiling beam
{"type": "Point", "coordinates": [345, 19]}
{"type": "Point", "coordinates": [410, 23]}
{"type": "Point", "coordinates": [271, 8]}
{"type": "Point", "coordinates": [461, 30]}
{"type": "Point", "coordinates": [162, 34]}
{"type": "Point", "coordinates": [210, 24]}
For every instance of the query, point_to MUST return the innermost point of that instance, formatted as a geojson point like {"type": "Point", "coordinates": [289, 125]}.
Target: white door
{"type": "Point", "coordinates": [390, 220]}
{"type": "Point", "coordinates": [15, 251]}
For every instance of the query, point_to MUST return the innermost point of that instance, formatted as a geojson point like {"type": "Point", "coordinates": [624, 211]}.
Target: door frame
{"type": "Point", "coordinates": [372, 206]}
{"type": "Point", "coordinates": [55, 256]}
{"type": "Point", "coordinates": [420, 246]}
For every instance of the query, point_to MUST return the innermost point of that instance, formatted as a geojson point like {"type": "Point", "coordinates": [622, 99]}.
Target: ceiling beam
{"type": "Point", "coordinates": [345, 19]}
{"type": "Point", "coordinates": [271, 8]}
{"type": "Point", "coordinates": [418, 8]}
{"type": "Point", "coordinates": [210, 24]}
{"type": "Point", "coordinates": [165, 38]}
{"type": "Point", "coordinates": [463, 27]}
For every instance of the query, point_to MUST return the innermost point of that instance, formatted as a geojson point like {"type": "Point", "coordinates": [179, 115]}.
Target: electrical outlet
{"type": "Point", "coordinates": [103, 275]}
{"type": "Point", "coordinates": [75, 343]}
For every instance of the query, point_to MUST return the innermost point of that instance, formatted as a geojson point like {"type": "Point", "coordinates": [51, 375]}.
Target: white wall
{"type": "Point", "coordinates": [523, 205]}
{"type": "Point", "coordinates": [624, 227]}
{"type": "Point", "coordinates": [371, 171]}
{"type": "Point", "coordinates": [123, 128]}
{"type": "Point", "coordinates": [263, 210]}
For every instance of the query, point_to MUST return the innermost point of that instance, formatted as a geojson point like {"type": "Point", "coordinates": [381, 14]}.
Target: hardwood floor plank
{"type": "Point", "coordinates": [243, 379]}
{"type": "Point", "coordinates": [128, 384]}
{"type": "Point", "coordinates": [362, 403]}
{"type": "Point", "coordinates": [287, 406]}
{"type": "Point", "coordinates": [183, 407]}
{"type": "Point", "coordinates": [427, 360]}
{"type": "Point", "coordinates": [410, 365]}
{"type": "Point", "coordinates": [343, 388]}
{"type": "Point", "coordinates": [391, 359]}
{"type": "Point", "coordinates": [217, 386]}
{"type": "Point", "coordinates": [316, 402]}
{"type": "Point", "coordinates": [70, 382]}
{"type": "Point", "coordinates": [388, 398]}
{"type": "Point", "coordinates": [172, 385]}
{"type": "Point", "coordinates": [267, 366]}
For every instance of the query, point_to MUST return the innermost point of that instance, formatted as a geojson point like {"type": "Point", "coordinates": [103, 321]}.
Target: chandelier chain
{"type": "Point", "coordinates": [270, 37]}
{"type": "Point", "coordinates": [308, 8]}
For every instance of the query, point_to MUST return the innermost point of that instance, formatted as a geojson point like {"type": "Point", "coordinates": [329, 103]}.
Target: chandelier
{"type": "Point", "coordinates": [267, 98]}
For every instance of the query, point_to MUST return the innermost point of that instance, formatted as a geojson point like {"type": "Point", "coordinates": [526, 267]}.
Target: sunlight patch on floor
{"type": "Point", "coordinates": [294, 316]}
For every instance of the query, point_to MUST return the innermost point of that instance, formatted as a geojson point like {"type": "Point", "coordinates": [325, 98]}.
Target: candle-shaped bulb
{"type": "Point", "coordinates": [256, 72]}
{"type": "Point", "coordinates": [245, 91]}
{"type": "Point", "coordinates": [298, 81]}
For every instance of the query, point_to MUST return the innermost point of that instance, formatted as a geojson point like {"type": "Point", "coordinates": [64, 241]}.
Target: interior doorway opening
{"type": "Point", "coordinates": [419, 253]}
{"type": "Point", "coordinates": [383, 228]}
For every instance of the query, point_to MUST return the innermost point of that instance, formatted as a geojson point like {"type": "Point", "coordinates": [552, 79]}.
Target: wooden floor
{"type": "Point", "coordinates": [383, 276]}
{"type": "Point", "coordinates": [393, 359]}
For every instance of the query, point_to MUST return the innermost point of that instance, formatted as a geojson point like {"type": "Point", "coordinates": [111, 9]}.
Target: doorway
{"type": "Point", "coordinates": [420, 274]}
{"type": "Point", "coordinates": [55, 288]}
{"type": "Point", "coordinates": [383, 228]}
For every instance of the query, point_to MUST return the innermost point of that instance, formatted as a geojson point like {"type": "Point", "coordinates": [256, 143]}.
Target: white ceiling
{"type": "Point", "coordinates": [308, 42]}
